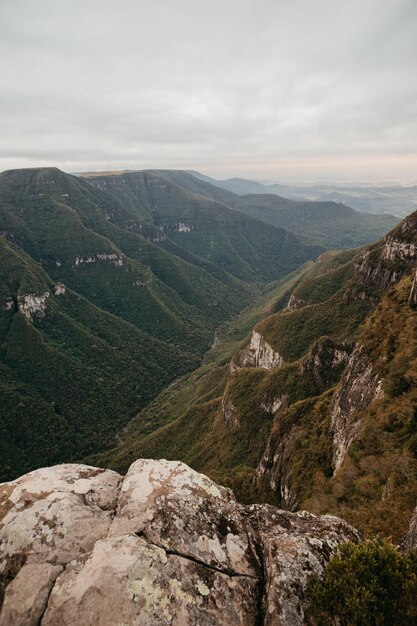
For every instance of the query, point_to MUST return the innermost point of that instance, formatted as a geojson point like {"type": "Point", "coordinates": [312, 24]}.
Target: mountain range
{"type": "Point", "coordinates": [390, 198]}
{"type": "Point", "coordinates": [313, 406]}
{"type": "Point", "coordinates": [113, 286]}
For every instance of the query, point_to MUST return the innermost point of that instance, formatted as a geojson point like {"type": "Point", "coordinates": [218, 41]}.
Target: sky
{"type": "Point", "coordinates": [296, 90]}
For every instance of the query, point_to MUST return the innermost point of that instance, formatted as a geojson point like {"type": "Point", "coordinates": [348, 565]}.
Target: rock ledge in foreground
{"type": "Point", "coordinates": [162, 545]}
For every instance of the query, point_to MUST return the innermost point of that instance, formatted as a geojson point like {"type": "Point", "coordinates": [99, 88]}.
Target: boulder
{"type": "Point", "coordinates": [165, 545]}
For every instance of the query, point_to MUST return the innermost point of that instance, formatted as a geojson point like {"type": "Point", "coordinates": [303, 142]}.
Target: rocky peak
{"type": "Point", "coordinates": [163, 545]}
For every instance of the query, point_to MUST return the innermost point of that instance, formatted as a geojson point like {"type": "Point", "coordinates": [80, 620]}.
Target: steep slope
{"type": "Point", "coordinates": [245, 247]}
{"type": "Point", "coordinates": [317, 411]}
{"type": "Point", "coordinates": [71, 375]}
{"type": "Point", "coordinates": [330, 224]}
{"type": "Point", "coordinates": [88, 240]}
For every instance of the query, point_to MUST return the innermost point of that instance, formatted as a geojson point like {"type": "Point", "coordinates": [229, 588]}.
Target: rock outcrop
{"type": "Point", "coordinates": [360, 385]}
{"type": "Point", "coordinates": [276, 462]}
{"type": "Point", "coordinates": [259, 353]}
{"type": "Point", "coordinates": [163, 545]}
{"type": "Point", "coordinates": [412, 298]}
{"type": "Point", "coordinates": [295, 303]}
{"type": "Point", "coordinates": [411, 537]}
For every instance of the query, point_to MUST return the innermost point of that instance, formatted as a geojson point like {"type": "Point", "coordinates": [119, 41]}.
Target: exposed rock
{"type": "Point", "coordinates": [275, 464]}
{"type": "Point", "coordinates": [116, 259]}
{"type": "Point", "coordinates": [60, 289]}
{"type": "Point", "coordinates": [360, 385]}
{"type": "Point", "coordinates": [28, 594]}
{"type": "Point", "coordinates": [275, 404]}
{"type": "Point", "coordinates": [412, 299]}
{"type": "Point", "coordinates": [30, 305]}
{"type": "Point", "coordinates": [129, 581]}
{"type": "Point", "coordinates": [56, 514]}
{"type": "Point", "coordinates": [411, 538]}
{"type": "Point", "coordinates": [395, 249]}
{"type": "Point", "coordinates": [258, 353]}
{"type": "Point", "coordinates": [184, 512]}
{"type": "Point", "coordinates": [295, 303]}
{"type": "Point", "coordinates": [325, 353]}
{"type": "Point", "coordinates": [293, 546]}
{"type": "Point", "coordinates": [230, 413]}
{"type": "Point", "coordinates": [166, 547]}
{"type": "Point", "coordinates": [276, 461]}
{"type": "Point", "coordinates": [385, 263]}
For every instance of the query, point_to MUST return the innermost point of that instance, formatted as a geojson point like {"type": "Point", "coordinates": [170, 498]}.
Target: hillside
{"type": "Point", "coordinates": [316, 410]}
{"type": "Point", "coordinates": [330, 224]}
{"type": "Point", "coordinates": [100, 310]}
{"type": "Point", "coordinates": [168, 195]}
{"type": "Point", "coordinates": [244, 246]}
{"type": "Point", "coordinates": [394, 199]}
{"type": "Point", "coordinates": [71, 374]}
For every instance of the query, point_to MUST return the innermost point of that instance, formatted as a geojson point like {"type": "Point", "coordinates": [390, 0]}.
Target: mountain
{"type": "Point", "coordinates": [398, 200]}
{"type": "Point", "coordinates": [71, 375]}
{"type": "Point", "coordinates": [101, 308]}
{"type": "Point", "coordinates": [329, 224]}
{"type": "Point", "coordinates": [112, 287]}
{"type": "Point", "coordinates": [244, 246]}
{"type": "Point", "coordinates": [315, 409]}
{"type": "Point", "coordinates": [326, 225]}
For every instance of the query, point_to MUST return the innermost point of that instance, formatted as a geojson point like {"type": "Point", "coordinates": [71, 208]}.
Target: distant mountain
{"type": "Point", "coordinates": [399, 200]}
{"type": "Point", "coordinates": [315, 409]}
{"type": "Point", "coordinates": [325, 223]}
{"type": "Point", "coordinates": [244, 246]}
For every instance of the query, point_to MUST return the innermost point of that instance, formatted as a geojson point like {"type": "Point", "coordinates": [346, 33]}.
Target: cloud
{"type": "Point", "coordinates": [263, 88]}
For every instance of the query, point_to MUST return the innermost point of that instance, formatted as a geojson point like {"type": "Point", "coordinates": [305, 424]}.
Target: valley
{"type": "Point", "coordinates": [114, 288]}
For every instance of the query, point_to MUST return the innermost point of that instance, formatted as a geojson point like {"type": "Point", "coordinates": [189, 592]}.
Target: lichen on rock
{"type": "Point", "coordinates": [165, 545]}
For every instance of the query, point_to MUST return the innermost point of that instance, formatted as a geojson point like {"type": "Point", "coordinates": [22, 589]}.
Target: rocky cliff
{"type": "Point", "coordinates": [163, 545]}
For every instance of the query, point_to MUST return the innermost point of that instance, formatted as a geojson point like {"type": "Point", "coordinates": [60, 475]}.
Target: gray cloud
{"type": "Point", "coordinates": [268, 88]}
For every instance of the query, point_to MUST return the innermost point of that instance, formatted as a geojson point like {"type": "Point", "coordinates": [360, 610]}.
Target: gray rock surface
{"type": "Point", "coordinates": [81, 546]}
{"type": "Point", "coordinates": [360, 385]}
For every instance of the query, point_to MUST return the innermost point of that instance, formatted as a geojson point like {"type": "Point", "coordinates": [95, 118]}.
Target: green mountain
{"type": "Point", "coordinates": [329, 224]}
{"type": "Point", "coordinates": [101, 308]}
{"type": "Point", "coordinates": [71, 375]}
{"type": "Point", "coordinates": [112, 287]}
{"type": "Point", "coordinates": [326, 225]}
{"type": "Point", "coordinates": [314, 408]}
{"type": "Point", "coordinates": [246, 247]}
{"type": "Point", "coordinates": [86, 239]}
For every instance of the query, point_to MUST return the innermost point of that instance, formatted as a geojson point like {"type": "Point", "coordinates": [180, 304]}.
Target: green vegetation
{"type": "Point", "coordinates": [369, 584]}
{"type": "Point", "coordinates": [243, 246]}
{"type": "Point", "coordinates": [376, 487]}
{"type": "Point", "coordinates": [138, 308]}
{"type": "Point", "coordinates": [72, 375]}
{"type": "Point", "coordinates": [329, 224]}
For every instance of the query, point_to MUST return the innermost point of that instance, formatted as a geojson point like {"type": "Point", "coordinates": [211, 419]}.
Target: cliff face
{"type": "Point", "coordinates": [82, 545]}
{"type": "Point", "coordinates": [360, 385]}
{"type": "Point", "coordinates": [258, 353]}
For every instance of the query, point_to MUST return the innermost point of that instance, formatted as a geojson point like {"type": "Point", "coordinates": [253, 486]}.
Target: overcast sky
{"type": "Point", "coordinates": [278, 89]}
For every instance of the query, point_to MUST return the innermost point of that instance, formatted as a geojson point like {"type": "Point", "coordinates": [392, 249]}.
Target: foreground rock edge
{"type": "Point", "coordinates": [162, 545]}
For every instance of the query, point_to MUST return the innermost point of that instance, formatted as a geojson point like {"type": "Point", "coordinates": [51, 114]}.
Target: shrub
{"type": "Point", "coordinates": [370, 584]}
